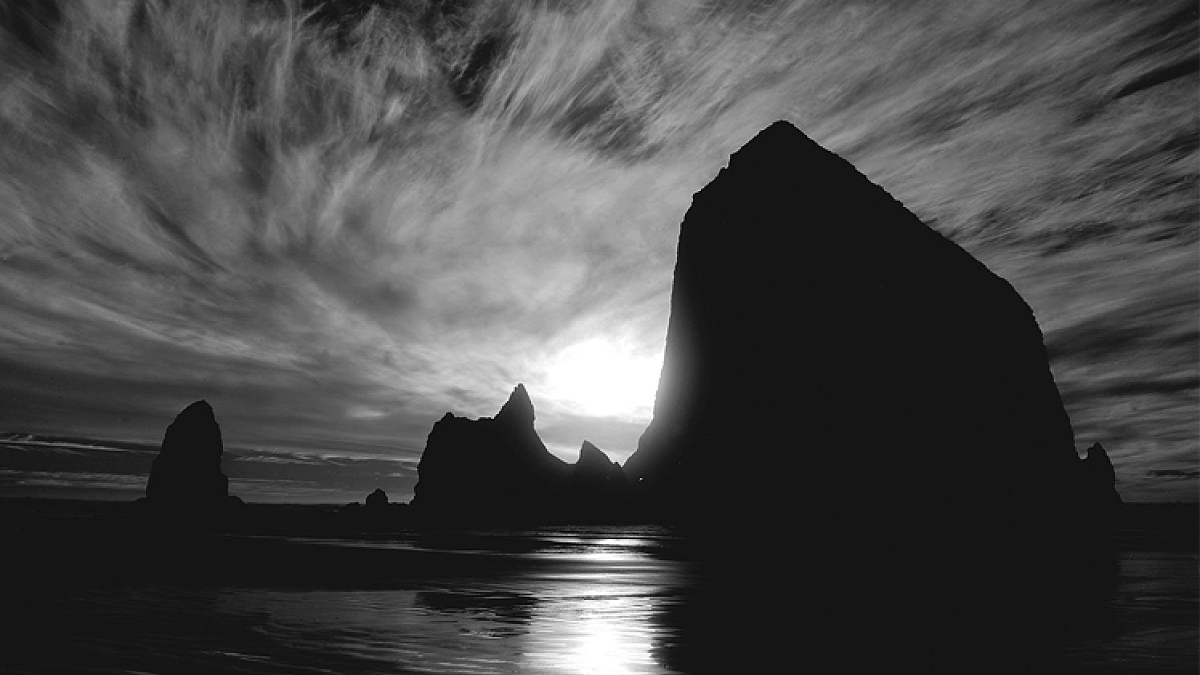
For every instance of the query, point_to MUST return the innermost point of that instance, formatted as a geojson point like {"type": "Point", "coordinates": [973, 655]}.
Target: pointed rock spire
{"type": "Point", "coordinates": [518, 409]}
{"type": "Point", "coordinates": [595, 466]}
{"type": "Point", "coordinates": [591, 455]}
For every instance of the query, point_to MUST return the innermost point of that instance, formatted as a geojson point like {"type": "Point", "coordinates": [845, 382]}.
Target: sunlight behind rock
{"type": "Point", "coordinates": [604, 377]}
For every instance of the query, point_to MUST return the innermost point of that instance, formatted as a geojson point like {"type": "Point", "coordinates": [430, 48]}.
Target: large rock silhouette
{"type": "Point", "coordinates": [497, 470]}
{"type": "Point", "coordinates": [832, 360]}
{"type": "Point", "coordinates": [858, 421]}
{"type": "Point", "coordinates": [187, 471]}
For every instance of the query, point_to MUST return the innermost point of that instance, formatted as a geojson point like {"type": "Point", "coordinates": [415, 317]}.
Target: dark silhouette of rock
{"type": "Point", "coordinates": [497, 470]}
{"type": "Point", "coordinates": [858, 422]}
{"type": "Point", "coordinates": [595, 468]}
{"type": "Point", "coordinates": [377, 515]}
{"type": "Point", "coordinates": [598, 489]}
{"type": "Point", "coordinates": [829, 355]}
{"type": "Point", "coordinates": [1101, 503]}
{"type": "Point", "coordinates": [1099, 478]}
{"type": "Point", "coordinates": [377, 499]}
{"type": "Point", "coordinates": [518, 410]}
{"type": "Point", "coordinates": [187, 471]}
{"type": "Point", "coordinates": [490, 469]}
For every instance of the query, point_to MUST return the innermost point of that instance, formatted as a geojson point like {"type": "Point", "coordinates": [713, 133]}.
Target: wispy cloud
{"type": "Point", "coordinates": [33, 465]}
{"type": "Point", "coordinates": [335, 244]}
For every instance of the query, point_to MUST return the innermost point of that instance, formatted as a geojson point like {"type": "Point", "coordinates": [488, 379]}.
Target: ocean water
{"type": "Point", "coordinates": [567, 601]}
{"type": "Point", "coordinates": [596, 601]}
{"type": "Point", "coordinates": [1153, 617]}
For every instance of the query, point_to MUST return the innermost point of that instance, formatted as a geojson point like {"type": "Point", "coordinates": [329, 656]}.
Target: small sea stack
{"type": "Point", "coordinates": [187, 471]}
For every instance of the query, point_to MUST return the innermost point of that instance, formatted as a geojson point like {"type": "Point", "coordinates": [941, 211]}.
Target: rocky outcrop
{"type": "Point", "coordinates": [832, 360]}
{"type": "Point", "coordinates": [858, 421]}
{"type": "Point", "coordinates": [490, 469]}
{"type": "Point", "coordinates": [595, 468]}
{"type": "Point", "coordinates": [517, 412]}
{"type": "Point", "coordinates": [598, 489]}
{"type": "Point", "coordinates": [378, 514]}
{"type": "Point", "coordinates": [187, 471]}
{"type": "Point", "coordinates": [1100, 503]}
{"type": "Point", "coordinates": [377, 499]}
{"type": "Point", "coordinates": [497, 470]}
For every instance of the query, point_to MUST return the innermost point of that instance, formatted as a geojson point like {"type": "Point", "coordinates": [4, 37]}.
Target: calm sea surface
{"type": "Point", "coordinates": [580, 600]}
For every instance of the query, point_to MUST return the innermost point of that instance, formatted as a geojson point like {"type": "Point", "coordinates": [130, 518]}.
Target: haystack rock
{"type": "Point", "coordinates": [490, 469]}
{"type": "Point", "coordinates": [833, 363]}
{"type": "Point", "coordinates": [187, 471]}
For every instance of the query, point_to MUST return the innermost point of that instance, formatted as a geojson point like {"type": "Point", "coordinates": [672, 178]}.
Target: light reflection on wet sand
{"type": "Point", "coordinates": [589, 626]}
{"type": "Point", "coordinates": [592, 610]}
{"type": "Point", "coordinates": [567, 603]}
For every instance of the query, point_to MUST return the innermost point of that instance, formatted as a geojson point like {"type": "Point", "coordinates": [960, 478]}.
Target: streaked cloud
{"type": "Point", "coordinates": [335, 246]}
{"type": "Point", "coordinates": [30, 465]}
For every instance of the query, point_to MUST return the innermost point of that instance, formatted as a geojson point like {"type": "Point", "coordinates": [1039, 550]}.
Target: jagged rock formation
{"type": "Point", "coordinates": [595, 468]}
{"type": "Point", "coordinates": [598, 489]}
{"type": "Point", "coordinates": [830, 358]}
{"type": "Point", "coordinates": [187, 471]}
{"type": "Point", "coordinates": [498, 470]}
{"type": "Point", "coordinates": [490, 468]}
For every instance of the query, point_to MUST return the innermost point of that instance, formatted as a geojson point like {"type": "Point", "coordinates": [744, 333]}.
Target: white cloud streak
{"type": "Point", "coordinates": [209, 200]}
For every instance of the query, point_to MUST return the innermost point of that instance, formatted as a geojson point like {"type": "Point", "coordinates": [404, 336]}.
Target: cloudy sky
{"type": "Point", "coordinates": [337, 227]}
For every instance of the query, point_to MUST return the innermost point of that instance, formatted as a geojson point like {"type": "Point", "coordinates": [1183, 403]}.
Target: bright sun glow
{"type": "Point", "coordinates": [602, 377]}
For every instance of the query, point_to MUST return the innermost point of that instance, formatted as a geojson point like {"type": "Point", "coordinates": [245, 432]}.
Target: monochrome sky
{"type": "Point", "coordinates": [336, 227]}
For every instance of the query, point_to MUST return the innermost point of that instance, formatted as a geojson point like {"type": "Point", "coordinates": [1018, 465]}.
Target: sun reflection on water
{"type": "Point", "coordinates": [593, 635]}
{"type": "Point", "coordinates": [597, 616]}
{"type": "Point", "coordinates": [568, 604]}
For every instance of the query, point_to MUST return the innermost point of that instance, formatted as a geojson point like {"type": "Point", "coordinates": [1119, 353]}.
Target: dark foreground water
{"type": "Point", "coordinates": [1154, 617]}
{"type": "Point", "coordinates": [595, 600]}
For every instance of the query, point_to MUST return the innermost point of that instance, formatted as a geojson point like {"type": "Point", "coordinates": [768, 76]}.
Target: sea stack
{"type": "Point", "coordinates": [377, 500]}
{"type": "Point", "coordinates": [490, 469]}
{"type": "Point", "coordinates": [497, 471]}
{"type": "Point", "coordinates": [834, 364]}
{"type": "Point", "coordinates": [598, 489]}
{"type": "Point", "coordinates": [187, 472]}
{"type": "Point", "coordinates": [1097, 488]}
{"type": "Point", "coordinates": [595, 469]}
